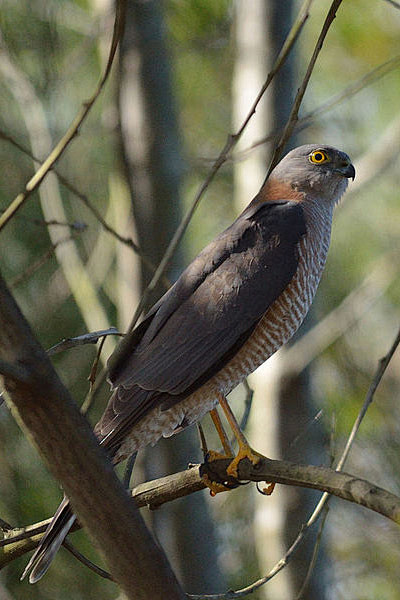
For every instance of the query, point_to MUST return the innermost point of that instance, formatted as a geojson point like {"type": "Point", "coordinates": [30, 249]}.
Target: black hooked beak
{"type": "Point", "coordinates": [347, 170]}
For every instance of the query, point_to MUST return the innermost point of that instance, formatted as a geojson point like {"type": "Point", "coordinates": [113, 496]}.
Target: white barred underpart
{"type": "Point", "coordinates": [277, 326]}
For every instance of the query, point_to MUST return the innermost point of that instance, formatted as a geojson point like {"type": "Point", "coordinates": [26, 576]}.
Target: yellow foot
{"type": "Point", "coordinates": [267, 491]}
{"type": "Point", "coordinates": [214, 486]}
{"type": "Point", "coordinates": [214, 455]}
{"type": "Point", "coordinates": [244, 452]}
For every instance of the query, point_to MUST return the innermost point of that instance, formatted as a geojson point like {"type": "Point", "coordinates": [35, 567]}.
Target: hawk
{"type": "Point", "coordinates": [238, 301]}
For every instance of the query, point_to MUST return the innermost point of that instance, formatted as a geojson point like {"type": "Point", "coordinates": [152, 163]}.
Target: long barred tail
{"type": "Point", "coordinates": [59, 527]}
{"type": "Point", "coordinates": [50, 543]}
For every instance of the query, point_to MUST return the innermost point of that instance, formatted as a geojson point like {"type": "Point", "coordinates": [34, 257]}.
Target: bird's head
{"type": "Point", "coordinates": [317, 170]}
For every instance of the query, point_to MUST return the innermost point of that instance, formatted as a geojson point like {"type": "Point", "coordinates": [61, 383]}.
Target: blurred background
{"type": "Point", "coordinates": [186, 76]}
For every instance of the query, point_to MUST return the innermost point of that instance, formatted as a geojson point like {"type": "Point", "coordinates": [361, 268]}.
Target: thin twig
{"type": "Point", "coordinates": [77, 277]}
{"type": "Point", "coordinates": [315, 553]}
{"type": "Point", "coordinates": [248, 401]}
{"type": "Point", "coordinates": [80, 340]}
{"type": "Point", "coordinates": [230, 595]}
{"type": "Point", "coordinates": [202, 438]}
{"type": "Point", "coordinates": [88, 563]}
{"type": "Point", "coordinates": [293, 117]}
{"type": "Point", "coordinates": [4, 526]}
{"type": "Point", "coordinates": [72, 131]}
{"type": "Point", "coordinates": [127, 241]}
{"type": "Point", "coordinates": [383, 364]}
{"type": "Point", "coordinates": [92, 379]}
{"type": "Point", "coordinates": [76, 225]}
{"type": "Point", "coordinates": [304, 433]}
{"type": "Point", "coordinates": [166, 489]}
{"type": "Point", "coordinates": [93, 370]}
{"type": "Point", "coordinates": [39, 262]}
{"type": "Point", "coordinates": [130, 463]}
{"type": "Point", "coordinates": [286, 48]}
{"type": "Point", "coordinates": [351, 90]}
{"type": "Point", "coordinates": [93, 391]}
{"type": "Point", "coordinates": [325, 509]}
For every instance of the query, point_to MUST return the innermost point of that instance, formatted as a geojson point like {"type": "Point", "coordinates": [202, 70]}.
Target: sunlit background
{"type": "Point", "coordinates": [185, 78]}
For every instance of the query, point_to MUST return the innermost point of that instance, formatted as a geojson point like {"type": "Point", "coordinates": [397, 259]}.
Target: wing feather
{"type": "Point", "coordinates": [201, 322]}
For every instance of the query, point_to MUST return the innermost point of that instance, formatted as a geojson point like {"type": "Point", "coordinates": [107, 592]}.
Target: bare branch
{"type": "Point", "coordinates": [74, 457]}
{"type": "Point", "coordinates": [80, 340]}
{"type": "Point", "coordinates": [304, 433]}
{"type": "Point", "coordinates": [292, 120]}
{"type": "Point", "coordinates": [79, 280]}
{"type": "Point", "coordinates": [4, 525]}
{"type": "Point", "coordinates": [39, 262]}
{"type": "Point", "coordinates": [127, 241]}
{"type": "Point", "coordinates": [322, 504]}
{"type": "Point", "coordinates": [93, 370]}
{"type": "Point", "coordinates": [85, 561]}
{"type": "Point", "coordinates": [153, 494]}
{"type": "Point", "coordinates": [72, 131]}
{"type": "Point", "coordinates": [93, 391]}
{"type": "Point", "coordinates": [286, 48]}
{"type": "Point", "coordinates": [92, 379]}
{"type": "Point", "coordinates": [247, 405]}
{"type": "Point", "coordinates": [130, 463]}
{"type": "Point", "coordinates": [351, 90]}
{"type": "Point", "coordinates": [76, 225]}
{"type": "Point", "coordinates": [314, 554]}
{"type": "Point", "coordinates": [383, 364]}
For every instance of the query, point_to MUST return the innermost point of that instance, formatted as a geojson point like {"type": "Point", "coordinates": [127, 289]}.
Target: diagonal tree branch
{"type": "Point", "coordinates": [323, 501]}
{"type": "Point", "coordinates": [126, 240]}
{"type": "Point", "coordinates": [153, 494]}
{"type": "Point", "coordinates": [293, 117]}
{"type": "Point", "coordinates": [72, 131]}
{"type": "Point", "coordinates": [348, 92]}
{"type": "Point", "coordinates": [64, 438]}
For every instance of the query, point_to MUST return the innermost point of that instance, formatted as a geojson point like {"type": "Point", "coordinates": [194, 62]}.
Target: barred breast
{"type": "Point", "coordinates": [287, 313]}
{"type": "Point", "coordinates": [278, 325]}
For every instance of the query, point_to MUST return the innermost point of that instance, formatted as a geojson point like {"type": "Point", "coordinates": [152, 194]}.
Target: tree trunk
{"type": "Point", "coordinates": [154, 165]}
{"type": "Point", "coordinates": [281, 406]}
{"type": "Point", "coordinates": [42, 405]}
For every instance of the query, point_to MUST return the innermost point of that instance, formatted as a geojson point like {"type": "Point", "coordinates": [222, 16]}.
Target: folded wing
{"type": "Point", "coordinates": [203, 320]}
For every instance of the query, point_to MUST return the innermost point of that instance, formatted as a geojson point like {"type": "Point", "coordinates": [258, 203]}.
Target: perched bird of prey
{"type": "Point", "coordinates": [239, 300]}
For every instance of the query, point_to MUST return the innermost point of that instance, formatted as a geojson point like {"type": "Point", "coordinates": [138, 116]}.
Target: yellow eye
{"type": "Point", "coordinates": [318, 157]}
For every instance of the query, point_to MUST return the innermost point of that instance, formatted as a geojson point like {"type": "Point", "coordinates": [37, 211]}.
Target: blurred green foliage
{"type": "Point", "coordinates": [57, 51]}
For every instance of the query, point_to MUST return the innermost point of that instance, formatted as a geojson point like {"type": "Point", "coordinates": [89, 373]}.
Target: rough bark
{"type": "Point", "coordinates": [45, 410]}
{"type": "Point", "coordinates": [154, 494]}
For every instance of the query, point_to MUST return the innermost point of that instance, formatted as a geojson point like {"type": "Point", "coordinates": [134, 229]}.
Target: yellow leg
{"type": "Point", "coordinates": [215, 487]}
{"type": "Point", "coordinates": [245, 451]}
{"type": "Point", "coordinates": [221, 432]}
